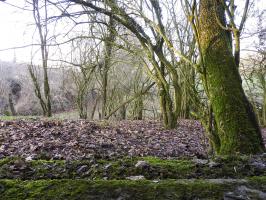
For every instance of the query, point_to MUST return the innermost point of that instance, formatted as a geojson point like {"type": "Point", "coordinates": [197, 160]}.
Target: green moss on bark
{"type": "Point", "coordinates": [237, 125]}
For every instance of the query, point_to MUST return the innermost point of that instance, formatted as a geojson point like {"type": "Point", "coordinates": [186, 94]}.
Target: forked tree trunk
{"type": "Point", "coordinates": [238, 129]}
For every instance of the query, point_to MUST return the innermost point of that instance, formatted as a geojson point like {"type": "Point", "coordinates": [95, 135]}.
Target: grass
{"type": "Point", "coordinates": [70, 115]}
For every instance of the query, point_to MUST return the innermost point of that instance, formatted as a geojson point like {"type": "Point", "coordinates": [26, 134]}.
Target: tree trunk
{"type": "Point", "coordinates": [264, 108]}
{"type": "Point", "coordinates": [138, 108]}
{"type": "Point", "coordinates": [168, 114]}
{"type": "Point", "coordinates": [238, 129]}
{"type": "Point", "coordinates": [11, 105]}
{"type": "Point", "coordinates": [47, 92]}
{"type": "Point", "coordinates": [109, 40]}
{"type": "Point", "coordinates": [123, 112]}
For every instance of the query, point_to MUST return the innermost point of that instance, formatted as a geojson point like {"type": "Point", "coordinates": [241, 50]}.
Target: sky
{"type": "Point", "coordinates": [17, 30]}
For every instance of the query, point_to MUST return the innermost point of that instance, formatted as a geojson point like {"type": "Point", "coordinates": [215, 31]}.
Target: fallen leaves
{"type": "Point", "coordinates": [80, 139]}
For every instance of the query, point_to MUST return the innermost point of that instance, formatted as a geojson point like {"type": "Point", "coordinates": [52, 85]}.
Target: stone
{"type": "Point", "coordinates": [200, 161]}
{"type": "Point", "coordinates": [244, 193]}
{"type": "Point", "coordinates": [82, 169]}
{"type": "Point", "coordinates": [212, 164]}
{"type": "Point", "coordinates": [258, 165]}
{"type": "Point", "coordinates": [157, 146]}
{"type": "Point", "coordinates": [135, 178]}
{"type": "Point", "coordinates": [58, 156]}
{"type": "Point", "coordinates": [142, 164]}
{"type": "Point", "coordinates": [29, 158]}
{"type": "Point", "coordinates": [106, 167]}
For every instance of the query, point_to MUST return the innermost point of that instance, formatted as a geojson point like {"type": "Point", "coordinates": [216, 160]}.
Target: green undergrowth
{"type": "Point", "coordinates": [9, 118]}
{"type": "Point", "coordinates": [121, 168]}
{"type": "Point", "coordinates": [121, 189]}
{"type": "Point", "coordinates": [69, 115]}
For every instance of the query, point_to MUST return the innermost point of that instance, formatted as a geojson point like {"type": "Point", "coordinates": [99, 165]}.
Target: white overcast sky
{"type": "Point", "coordinates": [16, 30]}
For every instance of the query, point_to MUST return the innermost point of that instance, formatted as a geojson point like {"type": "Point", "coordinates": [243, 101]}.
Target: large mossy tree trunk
{"type": "Point", "coordinates": [238, 129]}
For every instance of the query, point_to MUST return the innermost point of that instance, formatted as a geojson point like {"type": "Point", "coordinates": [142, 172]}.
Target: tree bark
{"type": "Point", "coordinates": [107, 62]}
{"type": "Point", "coordinates": [238, 129]}
{"type": "Point", "coordinates": [11, 105]}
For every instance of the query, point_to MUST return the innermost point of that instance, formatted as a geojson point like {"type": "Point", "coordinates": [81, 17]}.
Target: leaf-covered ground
{"type": "Point", "coordinates": [50, 159]}
{"type": "Point", "coordinates": [81, 139]}
{"type": "Point", "coordinates": [40, 139]}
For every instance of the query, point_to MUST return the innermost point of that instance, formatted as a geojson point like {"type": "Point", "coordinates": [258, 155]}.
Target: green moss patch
{"type": "Point", "coordinates": [118, 189]}
{"type": "Point", "coordinates": [153, 168]}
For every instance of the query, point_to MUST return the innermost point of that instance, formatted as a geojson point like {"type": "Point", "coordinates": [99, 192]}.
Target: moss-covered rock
{"type": "Point", "coordinates": [123, 189]}
{"type": "Point", "coordinates": [155, 168]}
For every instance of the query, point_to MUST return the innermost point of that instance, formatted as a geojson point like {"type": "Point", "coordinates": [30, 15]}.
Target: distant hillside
{"type": "Point", "coordinates": [12, 70]}
{"type": "Point", "coordinates": [27, 103]}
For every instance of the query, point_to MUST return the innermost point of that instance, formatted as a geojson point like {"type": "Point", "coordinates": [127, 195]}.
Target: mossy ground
{"type": "Point", "coordinates": [156, 168]}
{"type": "Point", "coordinates": [119, 189]}
{"type": "Point", "coordinates": [107, 179]}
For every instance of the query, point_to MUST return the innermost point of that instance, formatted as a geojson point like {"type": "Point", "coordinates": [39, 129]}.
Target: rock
{"type": "Point", "coordinates": [82, 169]}
{"type": "Point", "coordinates": [142, 164]}
{"type": "Point", "coordinates": [29, 158]}
{"type": "Point", "coordinates": [157, 146]}
{"type": "Point", "coordinates": [232, 196]}
{"type": "Point", "coordinates": [135, 178]}
{"type": "Point", "coordinates": [2, 188]}
{"type": "Point", "coordinates": [106, 167]}
{"type": "Point", "coordinates": [212, 164]}
{"type": "Point", "coordinates": [200, 161]}
{"type": "Point", "coordinates": [91, 146]}
{"type": "Point", "coordinates": [258, 165]}
{"type": "Point", "coordinates": [2, 156]}
{"type": "Point", "coordinates": [58, 156]}
{"type": "Point", "coordinates": [89, 156]}
{"type": "Point", "coordinates": [245, 193]}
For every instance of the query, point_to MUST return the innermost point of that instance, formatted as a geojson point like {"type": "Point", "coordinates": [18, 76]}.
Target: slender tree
{"type": "Point", "coordinates": [109, 39]}
{"type": "Point", "coordinates": [41, 23]}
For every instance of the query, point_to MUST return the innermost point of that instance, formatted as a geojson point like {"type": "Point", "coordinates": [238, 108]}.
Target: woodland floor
{"type": "Point", "coordinates": [81, 139]}
{"type": "Point", "coordinates": [126, 160]}
{"type": "Point", "coordinates": [75, 140]}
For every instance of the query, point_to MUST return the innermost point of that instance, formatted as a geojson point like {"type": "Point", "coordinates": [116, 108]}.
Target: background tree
{"type": "Point", "coordinates": [253, 69]}
{"type": "Point", "coordinates": [109, 39]}
{"type": "Point", "coordinates": [40, 15]}
{"type": "Point", "coordinates": [84, 66]}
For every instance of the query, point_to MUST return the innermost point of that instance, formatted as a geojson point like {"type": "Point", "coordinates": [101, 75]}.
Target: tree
{"type": "Point", "coordinates": [153, 48]}
{"type": "Point", "coordinates": [254, 71]}
{"type": "Point", "coordinates": [42, 28]}
{"type": "Point", "coordinates": [237, 127]}
{"type": "Point", "coordinates": [108, 47]}
{"type": "Point", "coordinates": [14, 94]}
{"type": "Point", "coordinates": [82, 66]}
